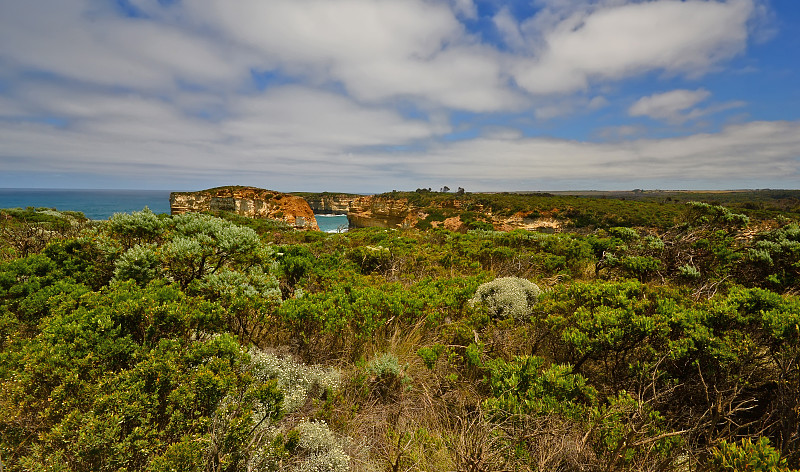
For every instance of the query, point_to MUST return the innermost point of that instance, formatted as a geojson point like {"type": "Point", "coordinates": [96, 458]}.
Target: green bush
{"type": "Point", "coordinates": [624, 233]}
{"type": "Point", "coordinates": [371, 258]}
{"type": "Point", "coordinates": [747, 456]}
{"type": "Point", "coordinates": [141, 263]}
{"type": "Point", "coordinates": [528, 386]}
{"type": "Point", "coordinates": [139, 227]}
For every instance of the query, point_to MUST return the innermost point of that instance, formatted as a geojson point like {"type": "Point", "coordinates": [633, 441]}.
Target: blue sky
{"type": "Point", "coordinates": [375, 95]}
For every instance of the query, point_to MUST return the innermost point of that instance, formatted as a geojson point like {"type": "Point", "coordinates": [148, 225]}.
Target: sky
{"type": "Point", "coordinates": [370, 96]}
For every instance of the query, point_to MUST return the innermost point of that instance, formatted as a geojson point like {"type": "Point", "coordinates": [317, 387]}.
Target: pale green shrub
{"type": "Point", "coordinates": [140, 263]}
{"type": "Point", "coordinates": [507, 296]}
{"type": "Point", "coordinates": [387, 376]}
{"type": "Point", "coordinates": [205, 244]}
{"type": "Point", "coordinates": [227, 284]}
{"type": "Point", "coordinates": [196, 224]}
{"type": "Point", "coordinates": [624, 233]}
{"type": "Point", "coordinates": [689, 272]}
{"type": "Point", "coordinates": [318, 449]}
{"type": "Point", "coordinates": [137, 227]}
{"type": "Point", "coordinates": [185, 259]}
{"type": "Point", "coordinates": [385, 365]}
{"type": "Point", "coordinates": [654, 242]}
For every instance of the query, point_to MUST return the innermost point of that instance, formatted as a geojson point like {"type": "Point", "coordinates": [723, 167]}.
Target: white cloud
{"type": "Point", "coordinates": [621, 132]}
{"type": "Point", "coordinates": [598, 102]}
{"type": "Point", "coordinates": [294, 137]}
{"type": "Point", "coordinates": [678, 106]}
{"type": "Point", "coordinates": [75, 40]}
{"type": "Point", "coordinates": [669, 106]}
{"type": "Point", "coordinates": [508, 27]}
{"type": "Point", "coordinates": [378, 49]}
{"type": "Point", "coordinates": [324, 120]}
{"type": "Point", "coordinates": [546, 109]}
{"type": "Point", "coordinates": [465, 8]}
{"type": "Point", "coordinates": [620, 41]}
{"type": "Point", "coordinates": [754, 152]}
{"type": "Point", "coordinates": [286, 131]}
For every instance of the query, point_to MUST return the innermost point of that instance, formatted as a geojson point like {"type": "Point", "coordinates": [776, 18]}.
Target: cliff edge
{"type": "Point", "coordinates": [251, 202]}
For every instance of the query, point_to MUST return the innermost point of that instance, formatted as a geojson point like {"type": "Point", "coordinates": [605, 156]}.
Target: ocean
{"type": "Point", "coordinates": [332, 223]}
{"type": "Point", "coordinates": [101, 204]}
{"type": "Point", "coordinates": [95, 204]}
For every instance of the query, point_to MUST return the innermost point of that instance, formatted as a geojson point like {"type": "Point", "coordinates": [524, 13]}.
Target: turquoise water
{"type": "Point", "coordinates": [332, 223]}
{"type": "Point", "coordinates": [95, 204]}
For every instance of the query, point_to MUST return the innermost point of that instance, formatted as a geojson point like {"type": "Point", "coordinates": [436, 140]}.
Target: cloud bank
{"type": "Point", "coordinates": [370, 95]}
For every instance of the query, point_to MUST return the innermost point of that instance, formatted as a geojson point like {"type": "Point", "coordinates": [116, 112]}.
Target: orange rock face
{"type": "Point", "coordinates": [387, 212]}
{"type": "Point", "coordinates": [371, 211]}
{"type": "Point", "coordinates": [251, 202]}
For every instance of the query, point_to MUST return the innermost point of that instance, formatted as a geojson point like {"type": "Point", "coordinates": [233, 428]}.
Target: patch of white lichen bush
{"type": "Point", "coordinates": [510, 297]}
{"type": "Point", "coordinates": [298, 382]}
{"type": "Point", "coordinates": [320, 450]}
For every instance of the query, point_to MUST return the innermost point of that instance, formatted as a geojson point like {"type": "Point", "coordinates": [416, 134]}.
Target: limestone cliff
{"type": "Point", "coordinates": [330, 203]}
{"type": "Point", "coordinates": [247, 201]}
{"type": "Point", "coordinates": [375, 211]}
{"type": "Point", "coordinates": [385, 211]}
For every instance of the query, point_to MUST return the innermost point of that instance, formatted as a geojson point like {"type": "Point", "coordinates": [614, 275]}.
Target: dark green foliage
{"type": "Point", "coordinates": [370, 258]}
{"type": "Point", "coordinates": [773, 259]}
{"type": "Point", "coordinates": [526, 386]}
{"type": "Point", "coordinates": [295, 262]}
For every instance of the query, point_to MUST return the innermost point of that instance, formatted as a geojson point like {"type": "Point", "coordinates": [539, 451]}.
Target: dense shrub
{"type": "Point", "coordinates": [510, 297]}
{"type": "Point", "coordinates": [747, 455]}
{"type": "Point", "coordinates": [189, 343]}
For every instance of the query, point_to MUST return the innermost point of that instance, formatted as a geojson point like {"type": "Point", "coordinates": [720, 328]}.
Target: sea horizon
{"type": "Point", "coordinates": [95, 204]}
{"type": "Point", "coordinates": [101, 204]}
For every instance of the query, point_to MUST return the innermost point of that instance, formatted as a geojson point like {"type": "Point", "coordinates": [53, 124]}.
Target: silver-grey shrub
{"type": "Point", "coordinates": [318, 448]}
{"type": "Point", "coordinates": [512, 297]}
{"type": "Point", "coordinates": [136, 227]}
{"type": "Point", "coordinates": [323, 451]}
{"type": "Point", "coordinates": [227, 284]}
{"type": "Point", "coordinates": [297, 381]}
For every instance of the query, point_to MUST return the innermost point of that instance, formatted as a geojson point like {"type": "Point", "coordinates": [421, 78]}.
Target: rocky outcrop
{"type": "Point", "coordinates": [522, 220]}
{"type": "Point", "coordinates": [330, 203]}
{"type": "Point", "coordinates": [382, 212]}
{"type": "Point", "coordinates": [251, 202]}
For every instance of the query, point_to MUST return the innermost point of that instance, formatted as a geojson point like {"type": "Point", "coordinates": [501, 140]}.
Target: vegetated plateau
{"type": "Point", "coordinates": [656, 333]}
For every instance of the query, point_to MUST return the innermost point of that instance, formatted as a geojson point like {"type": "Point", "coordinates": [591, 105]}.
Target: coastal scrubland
{"type": "Point", "coordinates": [644, 335]}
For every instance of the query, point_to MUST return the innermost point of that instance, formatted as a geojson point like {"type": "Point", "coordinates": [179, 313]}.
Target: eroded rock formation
{"type": "Point", "coordinates": [387, 212]}
{"type": "Point", "coordinates": [381, 212]}
{"type": "Point", "coordinates": [251, 202]}
{"type": "Point", "coordinates": [330, 203]}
